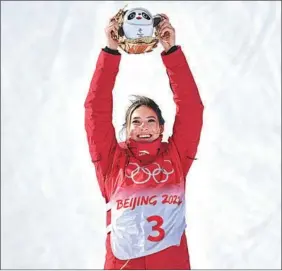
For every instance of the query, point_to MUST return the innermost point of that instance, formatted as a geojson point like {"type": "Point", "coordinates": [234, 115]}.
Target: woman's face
{"type": "Point", "coordinates": [144, 125]}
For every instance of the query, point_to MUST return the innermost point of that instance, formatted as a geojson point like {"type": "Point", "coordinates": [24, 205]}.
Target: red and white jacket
{"type": "Point", "coordinates": [149, 188]}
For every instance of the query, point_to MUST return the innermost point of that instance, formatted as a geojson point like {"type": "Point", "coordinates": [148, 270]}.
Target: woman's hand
{"type": "Point", "coordinates": [166, 33]}
{"type": "Point", "coordinates": [111, 34]}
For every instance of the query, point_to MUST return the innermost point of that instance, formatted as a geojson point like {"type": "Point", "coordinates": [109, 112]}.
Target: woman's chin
{"type": "Point", "coordinates": [144, 139]}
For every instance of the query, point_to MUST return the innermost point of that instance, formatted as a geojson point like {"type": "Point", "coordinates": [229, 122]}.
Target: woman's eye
{"type": "Point", "coordinates": [152, 120]}
{"type": "Point", "coordinates": [135, 121]}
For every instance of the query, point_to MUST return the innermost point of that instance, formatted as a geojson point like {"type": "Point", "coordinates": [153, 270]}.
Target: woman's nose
{"type": "Point", "coordinates": [144, 125]}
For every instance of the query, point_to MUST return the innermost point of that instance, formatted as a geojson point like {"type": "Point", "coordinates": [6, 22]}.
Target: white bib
{"type": "Point", "coordinates": [146, 220]}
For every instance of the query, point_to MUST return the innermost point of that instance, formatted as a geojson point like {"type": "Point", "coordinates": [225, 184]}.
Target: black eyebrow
{"type": "Point", "coordinates": [147, 117]}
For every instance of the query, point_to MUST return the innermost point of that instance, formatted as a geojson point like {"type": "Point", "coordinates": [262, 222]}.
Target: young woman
{"type": "Point", "coordinates": [143, 178]}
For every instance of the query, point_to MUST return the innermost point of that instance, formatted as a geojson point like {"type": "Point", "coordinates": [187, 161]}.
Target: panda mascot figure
{"type": "Point", "coordinates": [138, 23]}
{"type": "Point", "coordinates": [136, 30]}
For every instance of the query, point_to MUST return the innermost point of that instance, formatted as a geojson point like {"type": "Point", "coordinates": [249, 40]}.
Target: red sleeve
{"type": "Point", "coordinates": [98, 115]}
{"type": "Point", "coordinates": [189, 108]}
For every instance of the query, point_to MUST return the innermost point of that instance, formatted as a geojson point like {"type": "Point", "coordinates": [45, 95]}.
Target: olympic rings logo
{"type": "Point", "coordinates": [150, 174]}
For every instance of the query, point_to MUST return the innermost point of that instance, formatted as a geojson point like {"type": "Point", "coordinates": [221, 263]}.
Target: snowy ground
{"type": "Point", "coordinates": [53, 215]}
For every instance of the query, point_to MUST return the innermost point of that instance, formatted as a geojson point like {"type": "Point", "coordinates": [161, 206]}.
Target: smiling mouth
{"type": "Point", "coordinates": [144, 136]}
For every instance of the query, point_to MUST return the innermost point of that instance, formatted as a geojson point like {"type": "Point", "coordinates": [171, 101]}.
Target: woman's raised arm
{"type": "Point", "coordinates": [98, 110]}
{"type": "Point", "coordinates": [189, 107]}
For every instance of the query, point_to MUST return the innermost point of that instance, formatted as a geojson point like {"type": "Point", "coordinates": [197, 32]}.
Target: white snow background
{"type": "Point", "coordinates": [53, 215]}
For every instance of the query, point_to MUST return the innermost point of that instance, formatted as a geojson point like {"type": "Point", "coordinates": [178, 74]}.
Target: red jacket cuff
{"type": "Point", "coordinates": [174, 59]}
{"type": "Point", "coordinates": [109, 61]}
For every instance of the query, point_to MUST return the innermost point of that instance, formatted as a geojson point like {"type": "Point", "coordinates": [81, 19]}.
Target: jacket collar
{"type": "Point", "coordinates": [144, 151]}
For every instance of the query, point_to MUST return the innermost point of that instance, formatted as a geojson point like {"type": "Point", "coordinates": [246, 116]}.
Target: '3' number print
{"type": "Point", "coordinates": [161, 233]}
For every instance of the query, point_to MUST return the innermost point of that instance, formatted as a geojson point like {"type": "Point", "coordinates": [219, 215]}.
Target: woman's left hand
{"type": "Point", "coordinates": [166, 33]}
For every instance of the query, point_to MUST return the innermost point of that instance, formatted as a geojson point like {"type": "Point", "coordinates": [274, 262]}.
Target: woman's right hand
{"type": "Point", "coordinates": [111, 34]}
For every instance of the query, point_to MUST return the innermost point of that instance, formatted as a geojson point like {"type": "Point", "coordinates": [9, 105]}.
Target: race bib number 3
{"type": "Point", "coordinates": [157, 228]}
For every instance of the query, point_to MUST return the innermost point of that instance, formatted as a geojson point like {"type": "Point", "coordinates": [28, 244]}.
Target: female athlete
{"type": "Point", "coordinates": [143, 179]}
